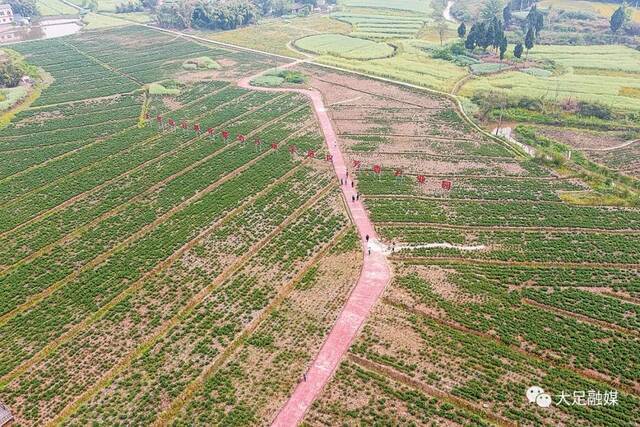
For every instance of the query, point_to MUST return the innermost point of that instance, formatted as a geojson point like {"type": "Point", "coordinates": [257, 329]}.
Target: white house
{"type": "Point", "coordinates": [6, 14]}
{"type": "Point", "coordinates": [5, 415]}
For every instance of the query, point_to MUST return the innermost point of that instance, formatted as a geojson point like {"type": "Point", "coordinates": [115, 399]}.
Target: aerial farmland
{"type": "Point", "coordinates": [320, 214]}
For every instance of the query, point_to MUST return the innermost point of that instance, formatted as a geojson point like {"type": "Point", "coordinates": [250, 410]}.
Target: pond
{"type": "Point", "coordinates": [44, 29]}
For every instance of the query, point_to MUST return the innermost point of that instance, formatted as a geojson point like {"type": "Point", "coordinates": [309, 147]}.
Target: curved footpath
{"type": "Point", "coordinates": [374, 276]}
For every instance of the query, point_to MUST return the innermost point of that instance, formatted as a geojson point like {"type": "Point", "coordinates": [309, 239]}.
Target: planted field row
{"type": "Point", "coordinates": [23, 336]}
{"type": "Point", "coordinates": [503, 189]}
{"type": "Point", "coordinates": [83, 133]}
{"type": "Point", "coordinates": [502, 214]}
{"type": "Point", "coordinates": [614, 279]}
{"type": "Point", "coordinates": [254, 383]}
{"type": "Point", "coordinates": [481, 371]}
{"type": "Point", "coordinates": [156, 377]}
{"type": "Point", "coordinates": [53, 118]}
{"type": "Point", "coordinates": [127, 150]}
{"type": "Point", "coordinates": [79, 363]}
{"type": "Point", "coordinates": [521, 246]}
{"type": "Point", "coordinates": [596, 306]}
{"type": "Point", "coordinates": [71, 254]}
{"type": "Point", "coordinates": [359, 396]}
{"type": "Point", "coordinates": [476, 303]}
{"type": "Point", "coordinates": [186, 154]}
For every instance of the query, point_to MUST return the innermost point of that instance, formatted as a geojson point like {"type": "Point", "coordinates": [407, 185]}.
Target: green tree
{"type": "Point", "coordinates": [528, 40]}
{"type": "Point", "coordinates": [9, 74]}
{"type": "Point", "coordinates": [24, 7]}
{"type": "Point", "coordinates": [503, 46]}
{"type": "Point", "coordinates": [462, 30]}
{"type": "Point", "coordinates": [535, 20]}
{"type": "Point", "coordinates": [517, 50]}
{"type": "Point", "coordinates": [470, 42]}
{"type": "Point", "coordinates": [618, 19]}
{"type": "Point", "coordinates": [506, 15]}
{"type": "Point", "coordinates": [490, 9]}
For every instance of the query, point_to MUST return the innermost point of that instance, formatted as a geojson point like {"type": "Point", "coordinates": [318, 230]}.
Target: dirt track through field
{"type": "Point", "coordinates": [374, 276]}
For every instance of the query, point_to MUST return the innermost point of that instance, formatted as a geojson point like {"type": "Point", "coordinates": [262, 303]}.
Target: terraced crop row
{"type": "Point", "coordinates": [522, 246]}
{"type": "Point", "coordinates": [71, 255]}
{"type": "Point", "coordinates": [501, 213]}
{"type": "Point", "coordinates": [481, 371]}
{"type": "Point", "coordinates": [386, 183]}
{"type": "Point", "coordinates": [156, 376]}
{"type": "Point", "coordinates": [490, 309]}
{"type": "Point", "coordinates": [102, 162]}
{"type": "Point", "coordinates": [143, 313]}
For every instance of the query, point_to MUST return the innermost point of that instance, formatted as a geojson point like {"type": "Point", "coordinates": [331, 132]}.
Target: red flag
{"type": "Point", "coordinates": [329, 158]}
{"type": "Point", "coordinates": [398, 172]}
{"type": "Point", "coordinates": [356, 164]}
{"type": "Point", "coordinates": [446, 185]}
{"type": "Point", "coordinates": [421, 179]}
{"type": "Point", "coordinates": [311, 154]}
{"type": "Point", "coordinates": [274, 146]}
{"type": "Point", "coordinates": [171, 122]}
{"type": "Point", "coordinates": [258, 142]}
{"type": "Point", "coordinates": [210, 131]}
{"type": "Point", "coordinates": [183, 125]}
{"type": "Point", "coordinates": [158, 118]}
{"type": "Point", "coordinates": [292, 149]}
{"type": "Point", "coordinates": [146, 116]}
{"type": "Point", "coordinates": [225, 134]}
{"type": "Point", "coordinates": [240, 138]}
{"type": "Point", "coordinates": [377, 168]}
{"type": "Point", "coordinates": [196, 127]}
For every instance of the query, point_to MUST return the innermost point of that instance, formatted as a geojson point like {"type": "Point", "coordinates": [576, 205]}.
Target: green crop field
{"type": "Point", "coordinates": [344, 46]}
{"type": "Point", "coordinates": [156, 272]}
{"type": "Point", "coordinates": [155, 232]}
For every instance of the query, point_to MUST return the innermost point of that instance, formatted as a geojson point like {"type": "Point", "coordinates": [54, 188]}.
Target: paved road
{"type": "Point", "coordinates": [374, 276]}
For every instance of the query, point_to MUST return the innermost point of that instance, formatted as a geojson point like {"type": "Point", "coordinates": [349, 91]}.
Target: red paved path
{"type": "Point", "coordinates": [374, 276]}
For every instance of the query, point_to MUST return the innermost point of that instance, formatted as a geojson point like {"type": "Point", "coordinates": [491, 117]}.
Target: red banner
{"type": "Point", "coordinates": [328, 158]}
{"type": "Point", "coordinates": [377, 168]}
{"type": "Point", "coordinates": [356, 164]}
{"type": "Point", "coordinates": [258, 142]}
{"type": "Point", "coordinates": [446, 185]}
{"type": "Point", "coordinates": [171, 122]}
{"type": "Point", "coordinates": [421, 179]}
{"type": "Point", "coordinates": [225, 134]}
{"type": "Point", "coordinates": [158, 118]}
{"type": "Point", "coordinates": [210, 131]}
{"type": "Point", "coordinates": [398, 172]}
{"type": "Point", "coordinates": [311, 154]}
{"type": "Point", "coordinates": [292, 149]}
{"type": "Point", "coordinates": [274, 146]}
{"type": "Point", "coordinates": [240, 138]}
{"type": "Point", "coordinates": [196, 127]}
{"type": "Point", "coordinates": [183, 125]}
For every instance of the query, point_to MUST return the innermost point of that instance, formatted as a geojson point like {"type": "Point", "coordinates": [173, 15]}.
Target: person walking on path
{"type": "Point", "coordinates": [353, 199]}
{"type": "Point", "coordinates": [366, 238]}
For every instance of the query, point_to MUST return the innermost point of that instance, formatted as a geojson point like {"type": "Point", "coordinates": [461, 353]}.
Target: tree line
{"type": "Point", "coordinates": [489, 31]}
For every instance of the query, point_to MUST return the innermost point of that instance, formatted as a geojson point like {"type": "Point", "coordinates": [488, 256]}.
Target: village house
{"type": "Point", "coordinates": [6, 14]}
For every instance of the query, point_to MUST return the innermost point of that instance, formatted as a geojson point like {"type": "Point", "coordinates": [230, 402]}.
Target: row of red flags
{"type": "Point", "coordinates": [377, 169]}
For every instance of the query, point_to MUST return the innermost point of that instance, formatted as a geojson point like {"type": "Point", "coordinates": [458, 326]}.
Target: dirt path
{"type": "Point", "coordinates": [446, 13]}
{"type": "Point", "coordinates": [374, 276]}
{"type": "Point", "coordinates": [617, 147]}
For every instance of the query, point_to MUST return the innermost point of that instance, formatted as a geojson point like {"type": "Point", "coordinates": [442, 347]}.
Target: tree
{"type": "Point", "coordinates": [506, 15]}
{"type": "Point", "coordinates": [617, 19]}
{"type": "Point", "coordinates": [490, 9]}
{"type": "Point", "coordinates": [26, 8]}
{"type": "Point", "coordinates": [535, 20]}
{"type": "Point", "coordinates": [10, 75]}
{"type": "Point", "coordinates": [462, 30]}
{"type": "Point", "coordinates": [528, 40]}
{"type": "Point", "coordinates": [442, 29]}
{"type": "Point", "coordinates": [470, 42]}
{"type": "Point", "coordinates": [517, 50]}
{"type": "Point", "coordinates": [503, 46]}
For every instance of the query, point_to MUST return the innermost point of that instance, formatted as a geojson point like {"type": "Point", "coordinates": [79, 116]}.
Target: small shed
{"type": "Point", "coordinates": [5, 415]}
{"type": "Point", "coordinates": [297, 8]}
